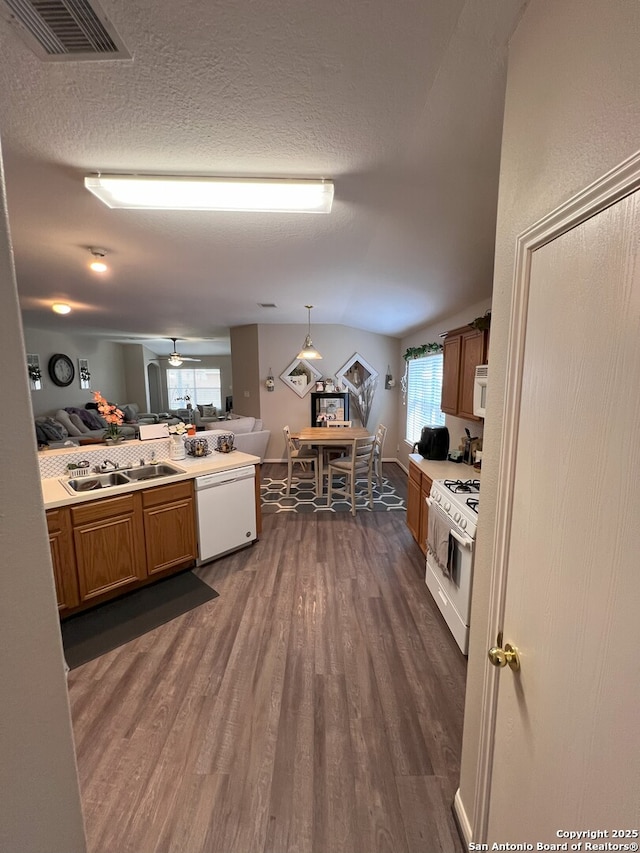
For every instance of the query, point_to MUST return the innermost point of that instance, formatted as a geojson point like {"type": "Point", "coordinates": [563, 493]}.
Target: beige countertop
{"type": "Point", "coordinates": [437, 470]}
{"type": "Point", "coordinates": [55, 495]}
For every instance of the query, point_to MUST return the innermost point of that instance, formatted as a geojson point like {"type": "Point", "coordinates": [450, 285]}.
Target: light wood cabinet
{"type": "Point", "coordinates": [463, 350]}
{"type": "Point", "coordinates": [418, 489]}
{"type": "Point", "coordinates": [109, 543]}
{"type": "Point", "coordinates": [169, 527]}
{"type": "Point", "coordinates": [63, 558]}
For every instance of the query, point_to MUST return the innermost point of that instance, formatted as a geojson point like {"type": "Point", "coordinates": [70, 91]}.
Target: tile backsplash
{"type": "Point", "coordinates": [53, 463]}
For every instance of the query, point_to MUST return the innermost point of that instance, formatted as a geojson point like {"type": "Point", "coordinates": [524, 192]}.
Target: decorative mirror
{"type": "Point", "coordinates": [300, 376]}
{"type": "Point", "coordinates": [35, 374]}
{"type": "Point", "coordinates": [83, 373]}
{"type": "Point", "coordinates": [355, 372]}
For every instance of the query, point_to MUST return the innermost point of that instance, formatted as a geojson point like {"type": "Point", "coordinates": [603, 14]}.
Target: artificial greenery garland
{"type": "Point", "coordinates": [421, 351]}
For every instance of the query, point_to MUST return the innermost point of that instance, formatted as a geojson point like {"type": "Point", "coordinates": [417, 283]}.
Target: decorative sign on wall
{"type": "Point", "coordinates": [35, 374]}
{"type": "Point", "coordinates": [300, 376]}
{"type": "Point", "coordinates": [355, 372]}
{"type": "Point", "coordinates": [83, 373]}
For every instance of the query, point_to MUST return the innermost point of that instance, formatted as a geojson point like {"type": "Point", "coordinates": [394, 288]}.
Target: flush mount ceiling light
{"type": "Point", "coordinates": [308, 350]}
{"type": "Point", "coordinates": [61, 308]}
{"type": "Point", "coordinates": [97, 264]}
{"type": "Point", "coordinates": [164, 192]}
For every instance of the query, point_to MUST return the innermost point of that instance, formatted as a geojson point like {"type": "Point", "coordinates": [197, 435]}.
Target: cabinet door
{"type": "Point", "coordinates": [471, 355]}
{"type": "Point", "coordinates": [169, 527]}
{"type": "Point", "coordinates": [451, 349]}
{"type": "Point", "coordinates": [413, 501]}
{"type": "Point", "coordinates": [109, 545]}
{"type": "Point", "coordinates": [63, 558]}
{"type": "Point", "coordinates": [425, 491]}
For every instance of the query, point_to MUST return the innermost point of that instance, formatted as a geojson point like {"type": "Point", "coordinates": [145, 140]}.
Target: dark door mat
{"type": "Point", "coordinates": [96, 632]}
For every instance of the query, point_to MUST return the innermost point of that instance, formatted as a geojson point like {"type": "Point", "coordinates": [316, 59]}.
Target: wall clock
{"type": "Point", "coordinates": [61, 369]}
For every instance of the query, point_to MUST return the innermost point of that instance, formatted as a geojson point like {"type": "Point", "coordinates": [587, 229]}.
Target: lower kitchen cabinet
{"type": "Point", "coordinates": [418, 489]}
{"type": "Point", "coordinates": [109, 545]}
{"type": "Point", "coordinates": [169, 527]}
{"type": "Point", "coordinates": [63, 558]}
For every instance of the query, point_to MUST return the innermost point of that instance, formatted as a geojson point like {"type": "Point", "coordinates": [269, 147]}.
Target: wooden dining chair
{"type": "Point", "coordinates": [358, 464]}
{"type": "Point", "coordinates": [381, 433]}
{"type": "Point", "coordinates": [337, 449]}
{"type": "Point", "coordinates": [301, 456]}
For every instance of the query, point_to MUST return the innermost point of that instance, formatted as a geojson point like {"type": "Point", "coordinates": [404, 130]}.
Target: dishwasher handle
{"type": "Point", "coordinates": [219, 478]}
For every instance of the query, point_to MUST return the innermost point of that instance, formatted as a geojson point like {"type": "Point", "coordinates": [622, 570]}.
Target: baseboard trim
{"type": "Point", "coordinates": [461, 819]}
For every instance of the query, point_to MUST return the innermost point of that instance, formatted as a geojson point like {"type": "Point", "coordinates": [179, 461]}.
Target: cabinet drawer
{"type": "Point", "coordinates": [104, 508]}
{"type": "Point", "coordinates": [167, 494]}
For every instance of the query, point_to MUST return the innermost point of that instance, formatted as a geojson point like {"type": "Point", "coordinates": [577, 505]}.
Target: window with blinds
{"type": "Point", "coordinates": [424, 390]}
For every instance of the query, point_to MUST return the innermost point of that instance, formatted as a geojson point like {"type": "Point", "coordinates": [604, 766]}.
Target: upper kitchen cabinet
{"type": "Point", "coordinates": [463, 350]}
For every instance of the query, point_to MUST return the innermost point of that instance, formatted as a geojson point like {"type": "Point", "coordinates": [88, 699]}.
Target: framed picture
{"type": "Point", "coordinates": [300, 376]}
{"type": "Point", "coordinates": [35, 374]}
{"type": "Point", "coordinates": [83, 373]}
{"type": "Point", "coordinates": [355, 372]}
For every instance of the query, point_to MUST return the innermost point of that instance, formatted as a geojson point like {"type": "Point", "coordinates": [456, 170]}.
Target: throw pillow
{"type": "Point", "coordinates": [65, 419]}
{"type": "Point", "coordinates": [130, 415]}
{"type": "Point", "coordinates": [80, 425]}
{"type": "Point", "coordinates": [208, 411]}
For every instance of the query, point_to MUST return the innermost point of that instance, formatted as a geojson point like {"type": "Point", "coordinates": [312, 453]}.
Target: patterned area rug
{"type": "Point", "coordinates": [303, 497]}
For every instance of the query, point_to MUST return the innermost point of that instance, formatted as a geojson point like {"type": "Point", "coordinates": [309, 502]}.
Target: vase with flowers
{"type": "Point", "coordinates": [177, 433]}
{"type": "Point", "coordinates": [113, 416]}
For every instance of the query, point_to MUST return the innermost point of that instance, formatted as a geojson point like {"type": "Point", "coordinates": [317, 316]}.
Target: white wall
{"type": "Point", "coordinates": [430, 334]}
{"type": "Point", "coordinates": [278, 347]}
{"type": "Point", "coordinates": [105, 364]}
{"type": "Point", "coordinates": [39, 797]}
{"type": "Point", "coordinates": [572, 113]}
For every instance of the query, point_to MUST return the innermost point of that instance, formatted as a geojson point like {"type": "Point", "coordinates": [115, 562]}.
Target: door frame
{"type": "Point", "coordinates": [615, 185]}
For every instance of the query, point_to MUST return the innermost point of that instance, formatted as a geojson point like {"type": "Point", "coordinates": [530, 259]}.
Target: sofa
{"type": "Point", "coordinates": [75, 425]}
{"type": "Point", "coordinates": [250, 437]}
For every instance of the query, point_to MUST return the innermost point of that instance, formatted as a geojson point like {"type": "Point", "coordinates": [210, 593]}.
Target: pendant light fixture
{"type": "Point", "coordinates": [308, 350]}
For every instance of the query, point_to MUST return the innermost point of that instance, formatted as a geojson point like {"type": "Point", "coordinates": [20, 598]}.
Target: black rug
{"type": "Point", "coordinates": [96, 632]}
{"type": "Point", "coordinates": [303, 497]}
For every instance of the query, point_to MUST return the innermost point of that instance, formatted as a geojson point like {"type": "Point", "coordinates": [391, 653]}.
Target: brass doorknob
{"type": "Point", "coordinates": [501, 657]}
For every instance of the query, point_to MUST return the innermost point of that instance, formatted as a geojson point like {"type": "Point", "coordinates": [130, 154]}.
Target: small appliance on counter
{"type": "Point", "coordinates": [434, 443]}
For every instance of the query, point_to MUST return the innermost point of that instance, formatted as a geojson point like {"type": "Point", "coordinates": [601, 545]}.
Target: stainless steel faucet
{"type": "Point", "coordinates": [107, 462]}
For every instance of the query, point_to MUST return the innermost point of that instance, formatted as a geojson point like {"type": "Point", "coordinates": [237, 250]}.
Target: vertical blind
{"type": "Point", "coordinates": [424, 390]}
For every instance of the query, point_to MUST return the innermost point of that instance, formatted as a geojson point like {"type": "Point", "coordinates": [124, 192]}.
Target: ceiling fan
{"type": "Point", "coordinates": [175, 359]}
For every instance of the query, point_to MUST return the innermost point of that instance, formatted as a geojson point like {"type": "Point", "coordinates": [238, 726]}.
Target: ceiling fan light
{"type": "Point", "coordinates": [168, 192]}
{"type": "Point", "coordinates": [175, 360]}
{"type": "Point", "coordinates": [61, 308]}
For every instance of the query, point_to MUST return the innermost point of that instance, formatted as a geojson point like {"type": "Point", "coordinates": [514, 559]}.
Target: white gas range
{"type": "Point", "coordinates": [453, 520]}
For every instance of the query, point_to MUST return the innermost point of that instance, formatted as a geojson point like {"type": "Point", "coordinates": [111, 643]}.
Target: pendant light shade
{"type": "Point", "coordinates": [308, 350]}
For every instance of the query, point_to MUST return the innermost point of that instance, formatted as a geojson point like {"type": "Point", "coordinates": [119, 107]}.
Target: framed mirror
{"type": "Point", "coordinates": [300, 376]}
{"type": "Point", "coordinates": [355, 372]}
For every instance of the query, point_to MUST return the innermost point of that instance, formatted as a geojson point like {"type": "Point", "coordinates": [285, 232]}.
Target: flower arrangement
{"type": "Point", "coordinates": [35, 374]}
{"type": "Point", "coordinates": [112, 415]}
{"type": "Point", "coordinates": [85, 375]}
{"type": "Point", "coordinates": [180, 429]}
{"type": "Point", "coordinates": [363, 400]}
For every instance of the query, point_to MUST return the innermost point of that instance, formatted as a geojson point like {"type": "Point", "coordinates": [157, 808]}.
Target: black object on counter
{"type": "Point", "coordinates": [434, 443]}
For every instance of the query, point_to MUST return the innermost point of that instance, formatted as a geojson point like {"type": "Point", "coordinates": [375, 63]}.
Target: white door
{"type": "Point", "coordinates": [566, 746]}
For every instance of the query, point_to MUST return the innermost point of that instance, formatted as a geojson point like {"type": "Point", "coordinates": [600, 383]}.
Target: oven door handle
{"type": "Point", "coordinates": [465, 541]}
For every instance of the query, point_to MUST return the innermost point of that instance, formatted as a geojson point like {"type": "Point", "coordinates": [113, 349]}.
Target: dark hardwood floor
{"type": "Point", "coordinates": [314, 706]}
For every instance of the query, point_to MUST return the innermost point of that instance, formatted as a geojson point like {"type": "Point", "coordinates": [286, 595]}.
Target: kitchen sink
{"type": "Point", "coordinates": [96, 482]}
{"type": "Point", "coordinates": [151, 472]}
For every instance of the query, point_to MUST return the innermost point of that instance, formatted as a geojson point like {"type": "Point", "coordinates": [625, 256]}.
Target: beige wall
{"type": "Point", "coordinates": [572, 113]}
{"type": "Point", "coordinates": [245, 361]}
{"type": "Point", "coordinates": [39, 797]}
{"type": "Point", "coordinates": [427, 335]}
{"type": "Point", "coordinates": [106, 365]}
{"type": "Point", "coordinates": [279, 345]}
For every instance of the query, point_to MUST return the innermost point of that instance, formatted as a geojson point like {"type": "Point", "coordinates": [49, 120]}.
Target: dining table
{"type": "Point", "coordinates": [329, 437]}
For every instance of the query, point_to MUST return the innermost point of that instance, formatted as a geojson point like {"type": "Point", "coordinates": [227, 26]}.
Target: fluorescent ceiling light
{"type": "Point", "coordinates": [241, 194]}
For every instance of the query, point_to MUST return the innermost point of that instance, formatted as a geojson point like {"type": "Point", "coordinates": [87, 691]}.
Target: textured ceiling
{"type": "Point", "coordinates": [400, 103]}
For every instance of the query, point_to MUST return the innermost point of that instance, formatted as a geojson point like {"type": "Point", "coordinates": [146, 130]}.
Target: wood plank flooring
{"type": "Point", "coordinates": [314, 706]}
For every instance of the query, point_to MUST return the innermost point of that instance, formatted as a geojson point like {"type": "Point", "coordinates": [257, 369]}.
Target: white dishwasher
{"type": "Point", "coordinates": [226, 509]}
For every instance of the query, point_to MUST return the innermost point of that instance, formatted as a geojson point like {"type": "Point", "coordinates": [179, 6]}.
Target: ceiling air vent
{"type": "Point", "coordinates": [64, 30]}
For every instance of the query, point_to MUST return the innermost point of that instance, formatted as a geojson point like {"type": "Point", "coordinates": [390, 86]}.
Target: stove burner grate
{"type": "Point", "coordinates": [472, 503]}
{"type": "Point", "coordinates": [463, 486]}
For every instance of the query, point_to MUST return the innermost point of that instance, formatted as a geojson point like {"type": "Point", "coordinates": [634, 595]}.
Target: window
{"type": "Point", "coordinates": [201, 385]}
{"type": "Point", "coordinates": [424, 390]}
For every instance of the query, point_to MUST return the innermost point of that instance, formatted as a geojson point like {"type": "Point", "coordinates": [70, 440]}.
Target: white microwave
{"type": "Point", "coordinates": [480, 390]}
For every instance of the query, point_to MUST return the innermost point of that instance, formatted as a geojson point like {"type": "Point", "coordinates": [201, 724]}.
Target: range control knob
{"type": "Point", "coordinates": [447, 506]}
{"type": "Point", "coordinates": [463, 523]}
{"type": "Point", "coordinates": [456, 517]}
{"type": "Point", "coordinates": [437, 497]}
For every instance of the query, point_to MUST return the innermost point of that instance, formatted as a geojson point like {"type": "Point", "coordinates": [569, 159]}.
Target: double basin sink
{"type": "Point", "coordinates": [119, 477]}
